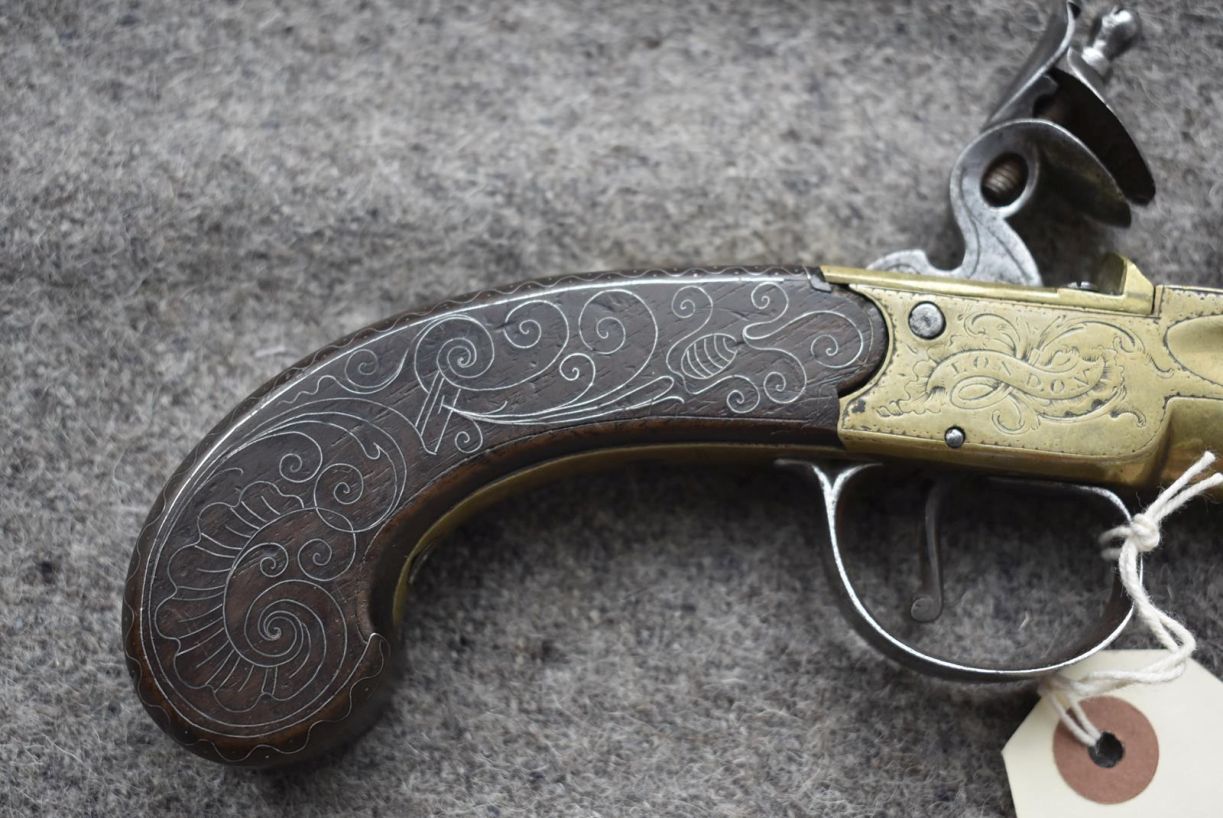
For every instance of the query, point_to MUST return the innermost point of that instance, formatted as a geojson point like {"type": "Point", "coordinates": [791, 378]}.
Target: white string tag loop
{"type": "Point", "coordinates": [1140, 535]}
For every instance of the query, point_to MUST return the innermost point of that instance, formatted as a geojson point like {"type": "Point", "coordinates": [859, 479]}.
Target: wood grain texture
{"type": "Point", "coordinates": [258, 612]}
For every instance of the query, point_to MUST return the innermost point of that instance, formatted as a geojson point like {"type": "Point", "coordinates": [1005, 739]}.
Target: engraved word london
{"type": "Point", "coordinates": [1023, 376]}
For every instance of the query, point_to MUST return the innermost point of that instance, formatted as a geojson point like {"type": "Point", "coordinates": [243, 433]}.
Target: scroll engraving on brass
{"type": "Point", "coordinates": [1090, 380]}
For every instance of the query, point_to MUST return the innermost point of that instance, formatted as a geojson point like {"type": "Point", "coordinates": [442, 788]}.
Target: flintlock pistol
{"type": "Point", "coordinates": [269, 580]}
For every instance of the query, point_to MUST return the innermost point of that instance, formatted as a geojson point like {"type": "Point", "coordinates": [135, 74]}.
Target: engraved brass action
{"type": "Point", "coordinates": [1120, 389]}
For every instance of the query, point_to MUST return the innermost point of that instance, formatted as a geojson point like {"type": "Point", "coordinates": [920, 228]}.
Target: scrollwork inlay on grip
{"type": "Point", "coordinates": [251, 600]}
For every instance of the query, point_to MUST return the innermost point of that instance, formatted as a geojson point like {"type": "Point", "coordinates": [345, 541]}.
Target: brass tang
{"type": "Point", "coordinates": [1122, 387]}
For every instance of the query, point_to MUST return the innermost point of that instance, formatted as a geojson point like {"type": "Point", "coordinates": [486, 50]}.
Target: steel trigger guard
{"type": "Point", "coordinates": [834, 479]}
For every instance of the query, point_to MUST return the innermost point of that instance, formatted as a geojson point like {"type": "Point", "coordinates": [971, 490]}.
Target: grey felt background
{"type": "Point", "coordinates": [195, 194]}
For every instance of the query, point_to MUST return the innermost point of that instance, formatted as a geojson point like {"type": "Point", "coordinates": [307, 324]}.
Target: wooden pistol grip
{"type": "Point", "coordinates": [259, 610]}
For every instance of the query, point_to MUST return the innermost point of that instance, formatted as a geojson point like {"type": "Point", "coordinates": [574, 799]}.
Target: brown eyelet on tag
{"type": "Point", "coordinates": [1127, 775]}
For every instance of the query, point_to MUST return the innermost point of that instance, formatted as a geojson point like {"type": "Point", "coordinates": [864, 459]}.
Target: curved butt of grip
{"type": "Point", "coordinates": [259, 616]}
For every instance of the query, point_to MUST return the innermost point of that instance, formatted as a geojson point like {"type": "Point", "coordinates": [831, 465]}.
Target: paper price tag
{"type": "Point", "coordinates": [1167, 759]}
